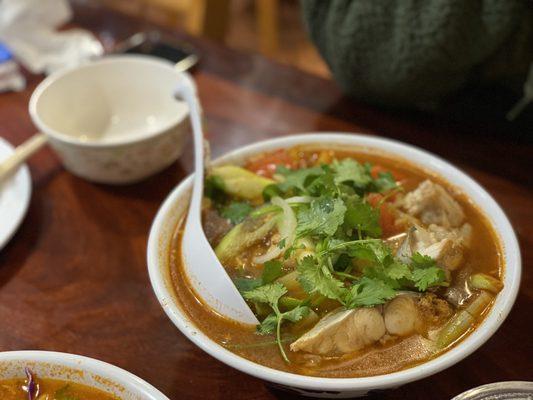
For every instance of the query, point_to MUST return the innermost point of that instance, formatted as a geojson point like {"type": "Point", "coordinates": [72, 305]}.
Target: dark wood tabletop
{"type": "Point", "coordinates": [74, 277]}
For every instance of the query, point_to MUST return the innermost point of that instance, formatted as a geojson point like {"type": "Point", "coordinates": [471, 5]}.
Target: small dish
{"type": "Point", "coordinates": [175, 205]}
{"type": "Point", "coordinates": [15, 195]}
{"type": "Point", "coordinates": [515, 390]}
{"type": "Point", "coordinates": [114, 120]}
{"type": "Point", "coordinates": [78, 369]}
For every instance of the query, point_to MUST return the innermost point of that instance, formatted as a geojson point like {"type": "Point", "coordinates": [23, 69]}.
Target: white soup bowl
{"type": "Point", "coordinates": [174, 207]}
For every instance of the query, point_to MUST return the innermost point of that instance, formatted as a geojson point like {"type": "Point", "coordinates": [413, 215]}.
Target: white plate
{"type": "Point", "coordinates": [15, 196]}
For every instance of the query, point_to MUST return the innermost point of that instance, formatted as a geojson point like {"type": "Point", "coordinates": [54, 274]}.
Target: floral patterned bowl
{"type": "Point", "coordinates": [114, 120]}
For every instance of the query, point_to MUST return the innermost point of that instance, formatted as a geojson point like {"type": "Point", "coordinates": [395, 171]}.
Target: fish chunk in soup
{"type": "Point", "coordinates": [355, 264]}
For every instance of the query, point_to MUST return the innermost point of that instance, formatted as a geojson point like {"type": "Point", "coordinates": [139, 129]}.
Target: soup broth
{"type": "Point", "coordinates": [50, 389]}
{"type": "Point", "coordinates": [462, 295]}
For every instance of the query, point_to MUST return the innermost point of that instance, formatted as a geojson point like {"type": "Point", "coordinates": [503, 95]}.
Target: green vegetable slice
{"type": "Point", "coordinates": [239, 182]}
{"type": "Point", "coordinates": [485, 282]}
{"type": "Point", "coordinates": [242, 236]}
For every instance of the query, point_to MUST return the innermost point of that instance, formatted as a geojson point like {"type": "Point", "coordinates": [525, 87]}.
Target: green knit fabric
{"type": "Point", "coordinates": [415, 53]}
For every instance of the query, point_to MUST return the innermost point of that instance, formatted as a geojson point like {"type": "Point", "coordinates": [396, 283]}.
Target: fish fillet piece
{"type": "Point", "coordinates": [402, 316]}
{"type": "Point", "coordinates": [446, 247]}
{"type": "Point", "coordinates": [342, 331]}
{"type": "Point", "coordinates": [432, 204]}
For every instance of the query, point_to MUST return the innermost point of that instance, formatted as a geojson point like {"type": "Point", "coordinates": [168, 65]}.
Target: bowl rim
{"type": "Point", "coordinates": [77, 362]}
{"type": "Point", "coordinates": [53, 78]}
{"type": "Point", "coordinates": [416, 156]}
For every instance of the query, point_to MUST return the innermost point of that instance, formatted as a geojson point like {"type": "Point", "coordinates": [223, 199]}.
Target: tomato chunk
{"type": "Point", "coordinates": [265, 165]}
{"type": "Point", "coordinates": [387, 219]}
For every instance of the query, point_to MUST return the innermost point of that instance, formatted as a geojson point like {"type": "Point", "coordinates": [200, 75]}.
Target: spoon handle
{"type": "Point", "coordinates": [20, 154]}
{"type": "Point", "coordinates": [206, 274]}
{"type": "Point", "coordinates": [187, 92]}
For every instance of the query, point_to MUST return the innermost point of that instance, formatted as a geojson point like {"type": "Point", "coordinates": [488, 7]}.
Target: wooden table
{"type": "Point", "coordinates": [74, 277]}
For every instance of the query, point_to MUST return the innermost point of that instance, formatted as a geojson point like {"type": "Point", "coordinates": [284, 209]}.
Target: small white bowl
{"type": "Point", "coordinates": [78, 369]}
{"type": "Point", "coordinates": [114, 120]}
{"type": "Point", "coordinates": [175, 205]}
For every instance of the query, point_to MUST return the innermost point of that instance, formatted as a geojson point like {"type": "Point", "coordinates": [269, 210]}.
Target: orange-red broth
{"type": "Point", "coordinates": [51, 389]}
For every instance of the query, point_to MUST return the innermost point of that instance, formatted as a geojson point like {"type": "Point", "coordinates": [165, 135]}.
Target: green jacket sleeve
{"type": "Point", "coordinates": [415, 53]}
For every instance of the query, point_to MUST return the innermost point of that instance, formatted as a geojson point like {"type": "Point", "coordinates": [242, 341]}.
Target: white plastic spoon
{"type": "Point", "coordinates": [207, 275]}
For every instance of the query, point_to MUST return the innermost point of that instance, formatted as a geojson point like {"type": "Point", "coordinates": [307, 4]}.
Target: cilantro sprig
{"type": "Point", "coordinates": [377, 282]}
{"type": "Point", "coordinates": [346, 175]}
{"type": "Point", "coordinates": [270, 294]}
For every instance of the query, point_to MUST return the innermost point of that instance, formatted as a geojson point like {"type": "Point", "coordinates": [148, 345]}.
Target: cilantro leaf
{"type": "Point", "coordinates": [371, 250]}
{"type": "Point", "coordinates": [428, 277]}
{"type": "Point", "coordinates": [398, 270]}
{"type": "Point", "coordinates": [318, 278]}
{"type": "Point", "coordinates": [247, 284]}
{"type": "Point", "coordinates": [269, 294]}
{"type": "Point", "coordinates": [426, 273]}
{"type": "Point", "coordinates": [368, 292]}
{"type": "Point", "coordinates": [322, 217]}
{"type": "Point", "coordinates": [385, 181]}
{"type": "Point", "coordinates": [349, 170]}
{"type": "Point", "coordinates": [296, 180]}
{"type": "Point", "coordinates": [420, 261]}
{"type": "Point", "coordinates": [324, 185]}
{"type": "Point", "coordinates": [362, 217]}
{"type": "Point", "coordinates": [296, 314]}
{"type": "Point", "coordinates": [342, 262]}
{"type": "Point", "coordinates": [271, 271]}
{"type": "Point", "coordinates": [236, 211]}
{"type": "Point", "coordinates": [268, 325]}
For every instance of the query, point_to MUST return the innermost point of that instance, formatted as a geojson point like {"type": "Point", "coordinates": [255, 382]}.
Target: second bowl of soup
{"type": "Point", "coordinates": [46, 375]}
{"type": "Point", "coordinates": [369, 263]}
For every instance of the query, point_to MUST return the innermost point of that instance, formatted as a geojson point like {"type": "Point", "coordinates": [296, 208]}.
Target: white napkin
{"type": "Point", "coordinates": [29, 29]}
{"type": "Point", "coordinates": [10, 77]}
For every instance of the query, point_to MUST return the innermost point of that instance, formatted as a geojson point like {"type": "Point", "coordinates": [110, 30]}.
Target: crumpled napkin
{"type": "Point", "coordinates": [29, 29]}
